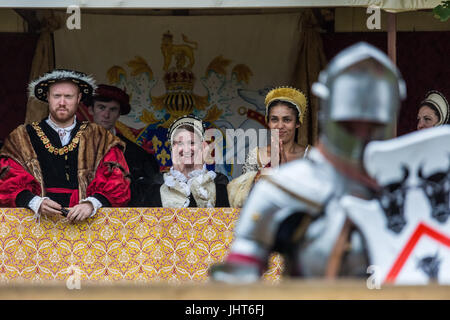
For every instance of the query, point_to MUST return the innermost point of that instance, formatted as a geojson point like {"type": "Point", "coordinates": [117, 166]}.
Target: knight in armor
{"type": "Point", "coordinates": [60, 162]}
{"type": "Point", "coordinates": [296, 210]}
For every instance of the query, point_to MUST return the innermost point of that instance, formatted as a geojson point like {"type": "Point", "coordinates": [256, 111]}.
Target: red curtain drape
{"type": "Point", "coordinates": [16, 54]}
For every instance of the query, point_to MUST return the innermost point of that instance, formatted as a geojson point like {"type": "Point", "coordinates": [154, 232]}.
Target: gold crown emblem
{"type": "Point", "coordinates": [179, 98]}
{"type": "Point", "coordinates": [289, 94]}
{"type": "Point", "coordinates": [179, 80]}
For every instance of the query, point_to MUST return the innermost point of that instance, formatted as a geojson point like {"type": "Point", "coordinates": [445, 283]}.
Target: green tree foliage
{"type": "Point", "coordinates": [442, 11]}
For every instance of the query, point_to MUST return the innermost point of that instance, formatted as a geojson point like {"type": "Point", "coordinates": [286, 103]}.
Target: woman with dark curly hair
{"type": "Point", "coordinates": [285, 111]}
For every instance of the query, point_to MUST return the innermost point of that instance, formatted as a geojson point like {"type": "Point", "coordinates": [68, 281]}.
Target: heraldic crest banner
{"type": "Point", "coordinates": [216, 67]}
{"type": "Point", "coordinates": [407, 226]}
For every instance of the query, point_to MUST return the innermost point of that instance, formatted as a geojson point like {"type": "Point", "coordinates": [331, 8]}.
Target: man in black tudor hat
{"type": "Point", "coordinates": [106, 106]}
{"type": "Point", "coordinates": [61, 162]}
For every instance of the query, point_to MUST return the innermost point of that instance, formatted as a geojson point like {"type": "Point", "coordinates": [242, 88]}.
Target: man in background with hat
{"type": "Point", "coordinates": [61, 162]}
{"type": "Point", "coordinates": [106, 106]}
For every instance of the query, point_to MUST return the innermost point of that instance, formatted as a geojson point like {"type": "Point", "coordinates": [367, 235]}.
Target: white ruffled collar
{"type": "Point", "coordinates": [55, 127]}
{"type": "Point", "coordinates": [176, 179]}
{"type": "Point", "coordinates": [181, 178]}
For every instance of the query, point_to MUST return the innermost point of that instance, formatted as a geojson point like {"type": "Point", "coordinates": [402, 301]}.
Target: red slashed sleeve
{"type": "Point", "coordinates": [17, 186]}
{"type": "Point", "coordinates": [111, 185]}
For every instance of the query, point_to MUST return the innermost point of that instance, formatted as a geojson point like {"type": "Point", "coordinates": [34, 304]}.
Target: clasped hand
{"type": "Point", "coordinates": [77, 213]}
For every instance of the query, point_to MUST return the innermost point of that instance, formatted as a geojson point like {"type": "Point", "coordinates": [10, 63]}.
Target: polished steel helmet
{"type": "Point", "coordinates": [360, 84]}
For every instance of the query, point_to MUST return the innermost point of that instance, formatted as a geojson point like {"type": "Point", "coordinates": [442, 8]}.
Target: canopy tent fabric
{"type": "Point", "coordinates": [310, 57]}
{"type": "Point", "coordinates": [388, 5]}
{"type": "Point", "coordinates": [232, 61]}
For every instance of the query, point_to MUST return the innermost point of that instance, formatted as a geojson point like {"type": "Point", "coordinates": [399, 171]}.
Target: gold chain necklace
{"type": "Point", "coordinates": [52, 149]}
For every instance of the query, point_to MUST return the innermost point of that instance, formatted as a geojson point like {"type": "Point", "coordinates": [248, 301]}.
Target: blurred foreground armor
{"type": "Point", "coordinates": [296, 210]}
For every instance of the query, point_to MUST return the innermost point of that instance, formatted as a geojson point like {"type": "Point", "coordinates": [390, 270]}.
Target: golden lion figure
{"type": "Point", "coordinates": [169, 50]}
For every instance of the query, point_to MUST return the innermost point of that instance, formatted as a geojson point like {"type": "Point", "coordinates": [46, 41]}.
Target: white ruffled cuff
{"type": "Point", "coordinates": [95, 203]}
{"type": "Point", "coordinates": [35, 204]}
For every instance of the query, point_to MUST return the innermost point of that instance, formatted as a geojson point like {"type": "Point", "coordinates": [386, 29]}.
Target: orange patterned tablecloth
{"type": "Point", "coordinates": [131, 244]}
